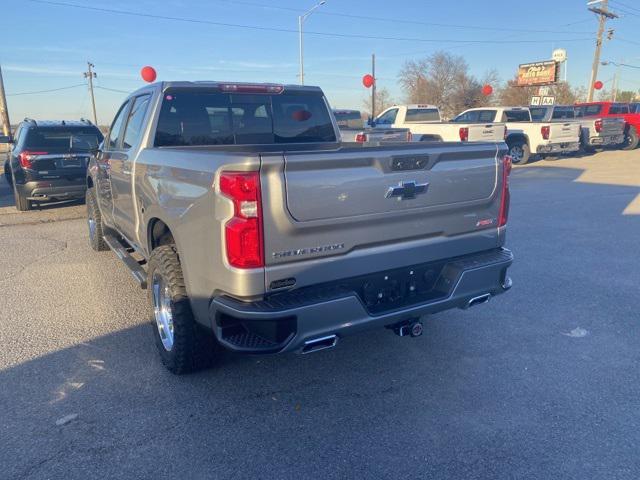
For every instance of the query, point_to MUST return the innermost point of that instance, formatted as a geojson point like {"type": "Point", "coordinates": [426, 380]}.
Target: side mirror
{"type": "Point", "coordinates": [371, 122]}
{"type": "Point", "coordinates": [6, 139]}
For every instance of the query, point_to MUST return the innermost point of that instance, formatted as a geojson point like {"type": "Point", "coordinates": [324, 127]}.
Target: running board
{"type": "Point", "coordinates": [139, 273]}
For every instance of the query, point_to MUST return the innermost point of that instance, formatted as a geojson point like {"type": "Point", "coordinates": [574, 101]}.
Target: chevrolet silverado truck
{"type": "Point", "coordinates": [615, 110]}
{"type": "Point", "coordinates": [253, 228]}
{"type": "Point", "coordinates": [526, 137]}
{"type": "Point", "coordinates": [595, 133]}
{"type": "Point", "coordinates": [426, 125]}
{"type": "Point", "coordinates": [351, 130]}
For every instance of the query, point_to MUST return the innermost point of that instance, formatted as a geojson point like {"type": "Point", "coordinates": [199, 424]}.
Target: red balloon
{"type": "Point", "coordinates": [598, 85]}
{"type": "Point", "coordinates": [148, 74]}
{"type": "Point", "coordinates": [368, 80]}
{"type": "Point", "coordinates": [487, 90]}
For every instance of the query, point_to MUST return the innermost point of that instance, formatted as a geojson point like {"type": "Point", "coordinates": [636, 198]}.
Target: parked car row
{"type": "Point", "coordinates": [528, 131]}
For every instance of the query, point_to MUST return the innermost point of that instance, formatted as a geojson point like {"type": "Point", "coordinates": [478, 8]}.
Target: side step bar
{"type": "Point", "coordinates": [139, 273]}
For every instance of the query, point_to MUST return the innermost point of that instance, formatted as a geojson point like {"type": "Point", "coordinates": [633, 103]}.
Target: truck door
{"type": "Point", "coordinates": [104, 158]}
{"type": "Point", "coordinates": [122, 162]}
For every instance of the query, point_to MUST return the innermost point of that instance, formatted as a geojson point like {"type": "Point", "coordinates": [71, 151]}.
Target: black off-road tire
{"type": "Point", "coordinates": [96, 233]}
{"type": "Point", "coordinates": [22, 203]}
{"type": "Point", "coordinates": [631, 139]}
{"type": "Point", "coordinates": [194, 347]}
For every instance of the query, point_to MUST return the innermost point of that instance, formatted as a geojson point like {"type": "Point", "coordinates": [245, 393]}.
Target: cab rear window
{"type": "Point", "coordinates": [210, 117]}
{"type": "Point", "coordinates": [422, 115]}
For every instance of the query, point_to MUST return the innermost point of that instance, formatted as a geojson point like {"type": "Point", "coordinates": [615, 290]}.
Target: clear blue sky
{"type": "Point", "coordinates": [47, 45]}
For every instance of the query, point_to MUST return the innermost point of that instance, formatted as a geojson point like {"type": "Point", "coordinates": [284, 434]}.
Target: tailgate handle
{"type": "Point", "coordinates": [409, 163]}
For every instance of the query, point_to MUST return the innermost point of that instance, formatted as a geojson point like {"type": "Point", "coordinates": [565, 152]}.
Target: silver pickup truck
{"type": "Point", "coordinates": [253, 228]}
{"type": "Point", "coordinates": [351, 130]}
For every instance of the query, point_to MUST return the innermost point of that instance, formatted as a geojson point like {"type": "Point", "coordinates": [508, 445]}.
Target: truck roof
{"type": "Point", "coordinates": [217, 84]}
{"type": "Point", "coordinates": [496, 108]}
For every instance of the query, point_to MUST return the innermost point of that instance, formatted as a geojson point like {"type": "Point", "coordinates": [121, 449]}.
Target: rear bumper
{"type": "Point", "coordinates": [606, 140]}
{"type": "Point", "coordinates": [567, 147]}
{"type": "Point", "coordinates": [288, 321]}
{"type": "Point", "coordinates": [54, 189]}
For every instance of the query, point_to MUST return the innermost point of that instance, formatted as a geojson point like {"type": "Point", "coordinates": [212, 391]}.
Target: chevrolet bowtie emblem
{"type": "Point", "coordinates": [407, 190]}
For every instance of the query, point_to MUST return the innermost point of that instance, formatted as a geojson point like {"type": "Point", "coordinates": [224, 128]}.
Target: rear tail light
{"type": "Point", "coordinates": [505, 133]}
{"type": "Point", "coordinates": [598, 125]}
{"type": "Point", "coordinates": [27, 157]}
{"type": "Point", "coordinates": [361, 137]}
{"type": "Point", "coordinates": [409, 137]}
{"type": "Point", "coordinates": [545, 130]}
{"type": "Point", "coordinates": [464, 134]}
{"type": "Point", "coordinates": [505, 196]}
{"type": "Point", "coordinates": [243, 233]}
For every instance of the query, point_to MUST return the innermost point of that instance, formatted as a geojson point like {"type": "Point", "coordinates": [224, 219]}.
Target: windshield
{"type": "Point", "coordinates": [209, 117]}
{"type": "Point", "coordinates": [63, 139]}
{"type": "Point", "coordinates": [634, 107]}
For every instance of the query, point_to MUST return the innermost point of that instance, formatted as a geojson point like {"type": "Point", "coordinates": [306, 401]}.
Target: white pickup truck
{"type": "Point", "coordinates": [524, 136]}
{"type": "Point", "coordinates": [425, 124]}
{"type": "Point", "coordinates": [350, 124]}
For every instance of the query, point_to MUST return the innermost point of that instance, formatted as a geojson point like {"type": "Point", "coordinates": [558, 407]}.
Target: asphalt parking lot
{"type": "Point", "coordinates": [540, 383]}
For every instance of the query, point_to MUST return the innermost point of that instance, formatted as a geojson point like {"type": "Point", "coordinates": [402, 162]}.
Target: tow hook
{"type": "Point", "coordinates": [409, 329]}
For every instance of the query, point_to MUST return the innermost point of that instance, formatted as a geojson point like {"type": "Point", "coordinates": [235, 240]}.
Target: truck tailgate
{"type": "Point", "coordinates": [564, 132]}
{"type": "Point", "coordinates": [375, 202]}
{"type": "Point", "coordinates": [490, 132]}
{"type": "Point", "coordinates": [612, 126]}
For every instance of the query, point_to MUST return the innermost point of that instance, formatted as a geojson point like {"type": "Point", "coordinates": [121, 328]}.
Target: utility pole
{"type": "Point", "coordinates": [4, 112]}
{"type": "Point", "coordinates": [373, 87]}
{"type": "Point", "coordinates": [604, 14]}
{"type": "Point", "coordinates": [91, 75]}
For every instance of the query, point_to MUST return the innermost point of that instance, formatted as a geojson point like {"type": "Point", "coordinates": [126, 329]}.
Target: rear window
{"type": "Point", "coordinates": [561, 113]}
{"type": "Point", "coordinates": [205, 117]}
{"type": "Point", "coordinates": [63, 139]}
{"type": "Point", "coordinates": [538, 114]}
{"type": "Point", "coordinates": [588, 110]}
{"type": "Point", "coordinates": [476, 116]}
{"type": "Point", "coordinates": [422, 115]}
{"type": "Point", "coordinates": [619, 108]}
{"type": "Point", "coordinates": [348, 118]}
{"type": "Point", "coordinates": [516, 116]}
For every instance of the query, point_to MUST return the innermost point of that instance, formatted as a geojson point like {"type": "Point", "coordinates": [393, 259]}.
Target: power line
{"type": "Point", "coordinates": [398, 20]}
{"type": "Point", "coordinates": [285, 30]}
{"type": "Point", "coordinates": [47, 91]}
{"type": "Point", "coordinates": [621, 64]}
{"type": "Point", "coordinates": [110, 89]}
{"type": "Point", "coordinates": [624, 5]}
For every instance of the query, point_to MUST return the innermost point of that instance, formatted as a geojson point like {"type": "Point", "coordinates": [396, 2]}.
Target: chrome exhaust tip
{"type": "Point", "coordinates": [479, 300]}
{"type": "Point", "coordinates": [317, 344]}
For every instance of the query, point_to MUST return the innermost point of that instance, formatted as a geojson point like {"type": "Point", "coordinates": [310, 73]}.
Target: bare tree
{"type": "Point", "coordinates": [383, 101]}
{"type": "Point", "coordinates": [441, 79]}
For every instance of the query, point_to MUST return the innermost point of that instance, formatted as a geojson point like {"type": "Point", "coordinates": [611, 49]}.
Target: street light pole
{"type": "Point", "coordinates": [301, 20]}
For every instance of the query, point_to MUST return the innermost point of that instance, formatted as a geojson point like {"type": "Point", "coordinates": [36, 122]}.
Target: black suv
{"type": "Point", "coordinates": [48, 160]}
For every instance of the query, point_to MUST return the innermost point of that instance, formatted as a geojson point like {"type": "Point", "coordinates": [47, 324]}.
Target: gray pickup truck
{"type": "Point", "coordinates": [253, 227]}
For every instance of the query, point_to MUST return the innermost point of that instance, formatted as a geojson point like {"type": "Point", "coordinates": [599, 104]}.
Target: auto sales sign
{"type": "Point", "coordinates": [538, 73]}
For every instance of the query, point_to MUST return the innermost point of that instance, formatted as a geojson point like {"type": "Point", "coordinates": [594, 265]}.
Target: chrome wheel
{"type": "Point", "coordinates": [163, 311]}
{"type": "Point", "coordinates": [517, 153]}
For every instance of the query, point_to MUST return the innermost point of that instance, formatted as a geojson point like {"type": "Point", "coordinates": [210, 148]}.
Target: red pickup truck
{"type": "Point", "coordinates": [613, 109]}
